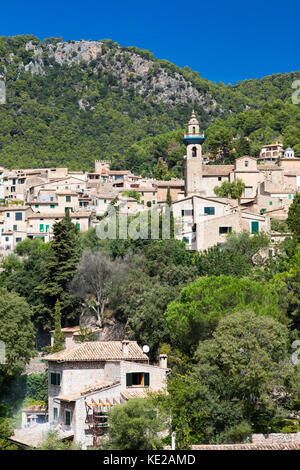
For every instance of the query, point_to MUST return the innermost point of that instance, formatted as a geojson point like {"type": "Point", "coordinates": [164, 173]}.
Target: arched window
{"type": "Point", "coordinates": [194, 152]}
{"type": "Point", "coordinates": [194, 130]}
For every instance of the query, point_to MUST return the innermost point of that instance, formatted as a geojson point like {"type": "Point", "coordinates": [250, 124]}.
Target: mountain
{"type": "Point", "coordinates": [69, 103]}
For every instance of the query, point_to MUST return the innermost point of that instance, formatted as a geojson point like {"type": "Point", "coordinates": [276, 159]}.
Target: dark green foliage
{"type": "Point", "coordinates": [201, 305]}
{"type": "Point", "coordinates": [134, 425]}
{"type": "Point", "coordinates": [42, 123]}
{"type": "Point", "coordinates": [37, 387]}
{"type": "Point", "coordinates": [17, 332]}
{"type": "Point", "coordinates": [228, 394]}
{"type": "Point", "coordinates": [5, 432]}
{"type": "Point", "coordinates": [58, 337]}
{"type": "Point", "coordinates": [293, 219]}
{"type": "Point", "coordinates": [60, 267]}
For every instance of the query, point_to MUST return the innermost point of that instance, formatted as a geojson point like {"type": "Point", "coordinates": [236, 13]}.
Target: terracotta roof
{"type": "Point", "coordinates": [68, 329]}
{"type": "Point", "coordinates": [35, 408]}
{"type": "Point", "coordinates": [174, 183]}
{"type": "Point", "coordinates": [99, 351]}
{"type": "Point", "coordinates": [35, 435]}
{"type": "Point", "coordinates": [97, 387]}
{"type": "Point", "coordinates": [250, 446]}
{"type": "Point", "coordinates": [134, 393]}
{"type": "Point", "coordinates": [56, 215]}
{"type": "Point", "coordinates": [119, 172]}
{"type": "Point", "coordinates": [217, 170]}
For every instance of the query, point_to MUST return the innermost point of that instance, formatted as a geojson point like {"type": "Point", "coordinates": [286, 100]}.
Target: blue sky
{"type": "Point", "coordinates": [223, 40]}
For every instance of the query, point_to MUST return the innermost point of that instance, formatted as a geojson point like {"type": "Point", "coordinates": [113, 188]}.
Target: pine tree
{"type": "Point", "coordinates": [58, 337]}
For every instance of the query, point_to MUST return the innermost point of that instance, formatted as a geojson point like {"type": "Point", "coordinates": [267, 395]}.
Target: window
{"type": "Point", "coordinates": [55, 414]}
{"type": "Point", "coordinates": [68, 198]}
{"type": "Point", "coordinates": [13, 189]}
{"type": "Point", "coordinates": [270, 203]}
{"type": "Point", "coordinates": [194, 130]}
{"type": "Point", "coordinates": [143, 202]}
{"type": "Point", "coordinates": [137, 379]}
{"type": "Point", "coordinates": [194, 152]}
{"type": "Point", "coordinates": [52, 206]}
{"type": "Point", "coordinates": [246, 163]}
{"type": "Point", "coordinates": [36, 206]}
{"type": "Point", "coordinates": [18, 216]}
{"type": "Point", "coordinates": [104, 201]}
{"type": "Point", "coordinates": [209, 210]}
{"type": "Point", "coordinates": [142, 193]}
{"type": "Point", "coordinates": [219, 178]}
{"type": "Point", "coordinates": [225, 230]}
{"type": "Point", "coordinates": [15, 228]}
{"type": "Point", "coordinates": [18, 239]}
{"type": "Point", "coordinates": [187, 212]}
{"type": "Point", "coordinates": [6, 239]}
{"type": "Point", "coordinates": [54, 378]}
{"type": "Point", "coordinates": [47, 228]}
{"type": "Point", "coordinates": [7, 214]}
{"type": "Point", "coordinates": [78, 225]}
{"type": "Point", "coordinates": [186, 240]}
{"type": "Point", "coordinates": [153, 194]}
{"type": "Point", "coordinates": [67, 417]}
{"type": "Point", "coordinates": [41, 228]}
{"type": "Point", "coordinates": [153, 202]}
{"type": "Point", "coordinates": [248, 191]}
{"type": "Point", "coordinates": [254, 227]}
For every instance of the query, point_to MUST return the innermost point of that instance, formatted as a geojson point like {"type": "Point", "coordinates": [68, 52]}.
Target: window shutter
{"type": "Point", "coordinates": [128, 380]}
{"type": "Point", "coordinates": [146, 379]}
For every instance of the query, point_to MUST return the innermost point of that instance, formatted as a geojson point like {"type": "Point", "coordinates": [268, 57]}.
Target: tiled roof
{"type": "Point", "coordinates": [35, 408]}
{"type": "Point", "coordinates": [58, 215]}
{"type": "Point", "coordinates": [97, 387]}
{"type": "Point", "coordinates": [174, 183]}
{"type": "Point", "coordinates": [250, 446]}
{"type": "Point", "coordinates": [217, 170]}
{"type": "Point", "coordinates": [35, 435]}
{"type": "Point", "coordinates": [99, 351]}
{"type": "Point", "coordinates": [134, 393]}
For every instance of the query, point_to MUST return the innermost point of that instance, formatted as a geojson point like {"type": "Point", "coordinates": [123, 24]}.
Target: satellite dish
{"type": "Point", "coordinates": [146, 349]}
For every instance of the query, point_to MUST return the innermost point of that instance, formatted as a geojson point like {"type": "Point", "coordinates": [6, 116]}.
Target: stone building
{"type": "Point", "coordinates": [98, 372]}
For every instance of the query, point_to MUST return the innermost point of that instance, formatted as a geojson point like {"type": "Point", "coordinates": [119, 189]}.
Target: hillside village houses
{"type": "Point", "coordinates": [86, 379]}
{"type": "Point", "coordinates": [34, 199]}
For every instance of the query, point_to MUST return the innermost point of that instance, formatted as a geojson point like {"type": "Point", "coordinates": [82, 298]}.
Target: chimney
{"type": "Point", "coordinates": [163, 361]}
{"type": "Point", "coordinates": [125, 347]}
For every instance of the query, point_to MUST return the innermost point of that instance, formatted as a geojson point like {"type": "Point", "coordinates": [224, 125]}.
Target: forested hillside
{"type": "Point", "coordinates": [69, 103]}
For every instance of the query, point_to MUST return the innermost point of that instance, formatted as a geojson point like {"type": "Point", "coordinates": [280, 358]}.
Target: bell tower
{"type": "Point", "coordinates": [193, 159]}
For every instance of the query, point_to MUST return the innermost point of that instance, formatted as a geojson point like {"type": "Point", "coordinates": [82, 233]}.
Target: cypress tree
{"type": "Point", "coordinates": [169, 203]}
{"type": "Point", "coordinates": [60, 268]}
{"type": "Point", "coordinates": [58, 337]}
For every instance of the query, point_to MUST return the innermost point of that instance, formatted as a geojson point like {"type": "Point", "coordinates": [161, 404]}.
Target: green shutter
{"type": "Point", "coordinates": [146, 379]}
{"type": "Point", "coordinates": [41, 227]}
{"type": "Point", "coordinates": [55, 414]}
{"type": "Point", "coordinates": [68, 418]}
{"type": "Point", "coordinates": [128, 380]}
{"type": "Point", "coordinates": [254, 227]}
